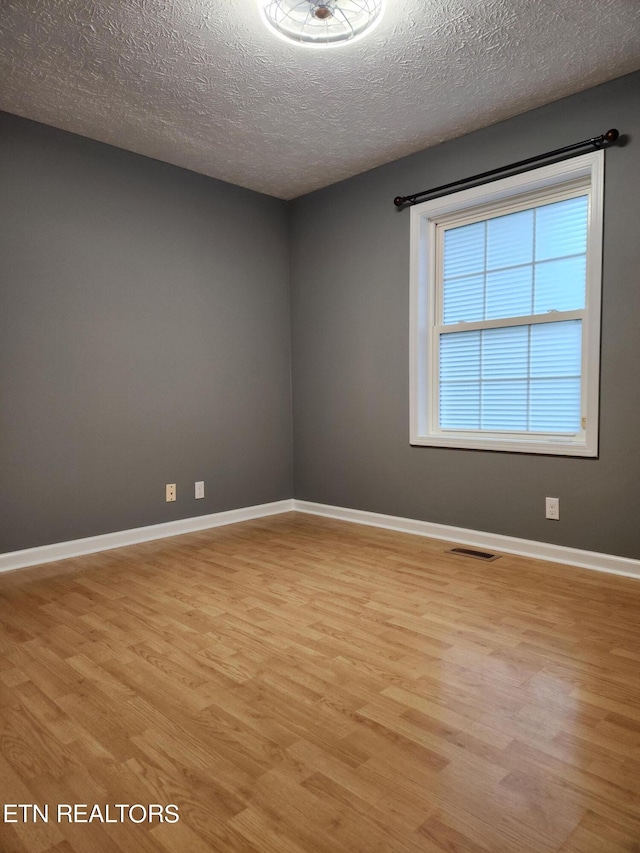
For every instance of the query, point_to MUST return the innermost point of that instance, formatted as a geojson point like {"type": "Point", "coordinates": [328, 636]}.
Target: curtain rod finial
{"type": "Point", "coordinates": [611, 135]}
{"type": "Point", "coordinates": [398, 201]}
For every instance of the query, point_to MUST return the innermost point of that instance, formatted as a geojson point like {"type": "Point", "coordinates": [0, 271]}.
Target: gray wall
{"type": "Point", "coordinates": [350, 310]}
{"type": "Point", "coordinates": [144, 340]}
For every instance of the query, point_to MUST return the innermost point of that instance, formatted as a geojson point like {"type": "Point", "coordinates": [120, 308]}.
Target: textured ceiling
{"type": "Point", "coordinates": [202, 84]}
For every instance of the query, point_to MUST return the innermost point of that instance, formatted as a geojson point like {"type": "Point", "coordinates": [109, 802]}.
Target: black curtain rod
{"type": "Point", "coordinates": [603, 141]}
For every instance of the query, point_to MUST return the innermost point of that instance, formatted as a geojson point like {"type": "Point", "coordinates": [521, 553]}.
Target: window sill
{"type": "Point", "coordinates": [506, 445]}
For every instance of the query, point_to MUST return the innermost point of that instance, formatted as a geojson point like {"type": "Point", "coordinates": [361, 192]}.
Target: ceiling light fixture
{"type": "Point", "coordinates": [328, 23]}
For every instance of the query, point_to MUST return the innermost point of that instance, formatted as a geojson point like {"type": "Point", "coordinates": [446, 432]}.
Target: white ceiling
{"type": "Point", "coordinates": [202, 83]}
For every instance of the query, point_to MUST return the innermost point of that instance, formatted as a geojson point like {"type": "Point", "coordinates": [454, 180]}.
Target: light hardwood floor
{"type": "Point", "coordinates": [297, 685]}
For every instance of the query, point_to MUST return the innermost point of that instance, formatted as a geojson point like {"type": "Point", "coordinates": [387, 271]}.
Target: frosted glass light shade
{"type": "Point", "coordinates": [328, 23]}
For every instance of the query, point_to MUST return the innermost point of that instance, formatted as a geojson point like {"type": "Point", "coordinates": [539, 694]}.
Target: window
{"type": "Point", "coordinates": [505, 313]}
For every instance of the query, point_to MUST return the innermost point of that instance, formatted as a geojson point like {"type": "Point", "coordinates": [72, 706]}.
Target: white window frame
{"type": "Point", "coordinates": [583, 175]}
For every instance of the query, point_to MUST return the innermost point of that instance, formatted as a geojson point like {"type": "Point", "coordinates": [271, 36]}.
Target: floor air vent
{"type": "Point", "coordinates": [477, 555]}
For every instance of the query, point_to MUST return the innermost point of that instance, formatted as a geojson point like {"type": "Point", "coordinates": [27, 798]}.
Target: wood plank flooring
{"type": "Point", "coordinates": [299, 685]}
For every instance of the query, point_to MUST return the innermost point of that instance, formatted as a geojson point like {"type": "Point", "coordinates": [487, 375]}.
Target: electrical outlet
{"type": "Point", "coordinates": [170, 492]}
{"type": "Point", "coordinates": [199, 489]}
{"type": "Point", "coordinates": [553, 508]}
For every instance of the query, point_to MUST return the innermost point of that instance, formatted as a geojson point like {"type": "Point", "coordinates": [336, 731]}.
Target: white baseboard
{"type": "Point", "coordinates": [488, 541]}
{"type": "Point", "coordinates": [107, 541]}
{"type": "Point", "coordinates": [458, 535]}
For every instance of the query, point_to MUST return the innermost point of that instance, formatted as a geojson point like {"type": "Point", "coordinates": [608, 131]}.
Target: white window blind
{"type": "Point", "coordinates": [514, 377]}
{"type": "Point", "coordinates": [506, 311]}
